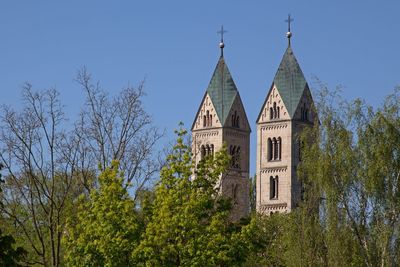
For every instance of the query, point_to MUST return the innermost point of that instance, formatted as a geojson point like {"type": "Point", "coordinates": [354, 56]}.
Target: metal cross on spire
{"type": "Point", "coordinates": [221, 32]}
{"type": "Point", "coordinates": [289, 33]}
{"type": "Point", "coordinates": [221, 44]}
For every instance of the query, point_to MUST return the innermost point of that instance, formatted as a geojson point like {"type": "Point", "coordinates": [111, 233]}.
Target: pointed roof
{"type": "Point", "coordinates": [290, 81]}
{"type": "Point", "coordinates": [222, 90]}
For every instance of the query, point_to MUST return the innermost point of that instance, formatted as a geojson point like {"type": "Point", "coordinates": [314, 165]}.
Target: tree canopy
{"type": "Point", "coordinates": [349, 215]}
{"type": "Point", "coordinates": [105, 229]}
{"type": "Point", "coordinates": [9, 254]}
{"type": "Point", "coordinates": [190, 223]}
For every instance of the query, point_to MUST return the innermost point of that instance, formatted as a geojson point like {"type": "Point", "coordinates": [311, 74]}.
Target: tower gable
{"type": "Point", "coordinates": [206, 116]}
{"type": "Point", "coordinates": [305, 110]}
{"type": "Point", "coordinates": [273, 104]}
{"type": "Point", "coordinates": [236, 117]}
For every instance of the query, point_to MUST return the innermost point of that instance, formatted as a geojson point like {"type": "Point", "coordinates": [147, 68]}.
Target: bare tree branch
{"type": "Point", "coordinates": [117, 128]}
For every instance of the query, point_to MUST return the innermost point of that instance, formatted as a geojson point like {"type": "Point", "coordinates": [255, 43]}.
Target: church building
{"type": "Point", "coordinates": [221, 119]}
{"type": "Point", "coordinates": [287, 109]}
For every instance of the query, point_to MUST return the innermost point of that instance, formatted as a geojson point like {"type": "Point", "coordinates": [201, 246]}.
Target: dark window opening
{"type": "Point", "coordinates": [274, 112]}
{"type": "Point", "coordinates": [235, 120]}
{"type": "Point", "coordinates": [207, 119]}
{"type": "Point", "coordinates": [206, 150]}
{"type": "Point", "coordinates": [274, 149]}
{"type": "Point", "coordinates": [304, 113]}
{"type": "Point", "coordinates": [234, 152]}
{"type": "Point", "coordinates": [273, 187]}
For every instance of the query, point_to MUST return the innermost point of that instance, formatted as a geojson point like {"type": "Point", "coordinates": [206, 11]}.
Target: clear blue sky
{"type": "Point", "coordinates": [175, 46]}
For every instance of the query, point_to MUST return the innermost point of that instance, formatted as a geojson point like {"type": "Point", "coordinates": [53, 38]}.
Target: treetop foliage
{"type": "Point", "coordinates": [105, 228]}
{"type": "Point", "coordinates": [349, 215]}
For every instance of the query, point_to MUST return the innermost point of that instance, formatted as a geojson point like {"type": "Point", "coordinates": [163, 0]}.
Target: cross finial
{"type": "Point", "coordinates": [289, 33]}
{"type": "Point", "coordinates": [221, 32]}
{"type": "Point", "coordinates": [221, 44]}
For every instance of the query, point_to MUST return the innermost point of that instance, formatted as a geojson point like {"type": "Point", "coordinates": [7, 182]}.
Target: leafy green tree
{"type": "Point", "coordinates": [350, 213]}
{"type": "Point", "coordinates": [261, 240]}
{"type": "Point", "coordinates": [252, 193]}
{"type": "Point", "coordinates": [351, 171]}
{"type": "Point", "coordinates": [105, 230]}
{"type": "Point", "coordinates": [9, 256]}
{"type": "Point", "coordinates": [190, 223]}
{"type": "Point", "coordinates": [144, 207]}
{"type": "Point", "coordinates": [47, 166]}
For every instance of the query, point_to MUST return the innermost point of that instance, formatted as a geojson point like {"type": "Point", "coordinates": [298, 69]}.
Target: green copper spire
{"type": "Point", "coordinates": [290, 81]}
{"type": "Point", "coordinates": [222, 90]}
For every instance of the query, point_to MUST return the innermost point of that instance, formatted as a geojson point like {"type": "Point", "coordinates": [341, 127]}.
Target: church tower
{"type": "Point", "coordinates": [221, 119]}
{"type": "Point", "coordinates": [287, 109]}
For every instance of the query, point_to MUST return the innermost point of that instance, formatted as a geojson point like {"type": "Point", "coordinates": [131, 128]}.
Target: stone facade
{"type": "Point", "coordinates": [278, 146]}
{"type": "Point", "coordinates": [210, 133]}
{"type": "Point", "coordinates": [221, 119]}
{"type": "Point", "coordinates": [268, 128]}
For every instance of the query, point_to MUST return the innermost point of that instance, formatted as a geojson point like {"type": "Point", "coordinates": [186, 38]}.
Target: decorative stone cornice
{"type": "Point", "coordinates": [272, 207]}
{"type": "Point", "coordinates": [269, 122]}
{"type": "Point", "coordinates": [274, 169]}
{"type": "Point", "coordinates": [274, 127]}
{"type": "Point", "coordinates": [206, 134]}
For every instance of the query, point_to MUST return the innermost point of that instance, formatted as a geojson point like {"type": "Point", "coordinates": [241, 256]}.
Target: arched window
{"type": "Point", "coordinates": [269, 149]}
{"type": "Point", "coordinates": [207, 150]}
{"type": "Point", "coordinates": [235, 120]}
{"type": "Point", "coordinates": [271, 113]}
{"type": "Point", "coordinates": [235, 193]}
{"type": "Point", "coordinates": [279, 148]}
{"type": "Point", "coordinates": [237, 158]}
{"type": "Point", "coordinates": [275, 112]}
{"type": "Point", "coordinates": [274, 148]}
{"type": "Point", "coordinates": [304, 113]}
{"type": "Point", "coordinates": [273, 187]}
{"type": "Point", "coordinates": [233, 161]}
{"type": "Point", "coordinates": [207, 119]}
{"type": "Point", "coordinates": [202, 152]}
{"type": "Point", "coordinates": [234, 152]}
